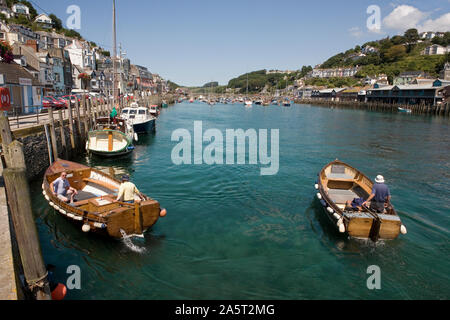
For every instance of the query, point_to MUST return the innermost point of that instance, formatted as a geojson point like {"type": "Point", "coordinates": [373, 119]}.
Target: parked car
{"type": "Point", "coordinates": [72, 98]}
{"type": "Point", "coordinates": [49, 101]}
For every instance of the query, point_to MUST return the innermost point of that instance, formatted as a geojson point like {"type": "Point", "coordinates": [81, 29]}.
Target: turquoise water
{"type": "Point", "coordinates": [231, 233]}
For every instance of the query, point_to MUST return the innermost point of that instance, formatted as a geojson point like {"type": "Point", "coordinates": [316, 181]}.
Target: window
{"type": "Point", "coordinates": [2, 35]}
{"type": "Point", "coordinates": [57, 77]}
{"type": "Point", "coordinates": [142, 112]}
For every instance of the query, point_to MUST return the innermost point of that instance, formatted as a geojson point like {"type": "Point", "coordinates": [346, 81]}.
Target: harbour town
{"type": "Point", "coordinates": [120, 184]}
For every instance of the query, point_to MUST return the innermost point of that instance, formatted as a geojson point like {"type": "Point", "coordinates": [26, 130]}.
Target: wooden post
{"type": "Point", "coordinates": [85, 115]}
{"type": "Point", "coordinates": [19, 201]}
{"type": "Point", "coordinates": [63, 136]}
{"type": "Point", "coordinates": [71, 129]}
{"type": "Point", "coordinates": [53, 134]}
{"type": "Point", "coordinates": [77, 110]}
{"type": "Point", "coordinates": [5, 130]}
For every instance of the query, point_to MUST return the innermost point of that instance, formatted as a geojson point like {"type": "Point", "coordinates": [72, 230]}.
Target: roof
{"type": "Point", "coordinates": [13, 72]}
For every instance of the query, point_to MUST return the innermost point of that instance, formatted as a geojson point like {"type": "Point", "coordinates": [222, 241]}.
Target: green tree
{"type": "Point", "coordinates": [394, 53]}
{"type": "Point", "coordinates": [57, 23]}
{"type": "Point", "coordinates": [411, 35]}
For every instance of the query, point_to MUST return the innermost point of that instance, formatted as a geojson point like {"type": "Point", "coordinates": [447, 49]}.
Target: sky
{"type": "Point", "coordinates": [192, 42]}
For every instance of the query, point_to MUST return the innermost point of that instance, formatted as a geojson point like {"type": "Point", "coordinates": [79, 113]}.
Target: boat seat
{"type": "Point", "coordinates": [101, 183]}
{"type": "Point", "coordinates": [339, 176]}
{"type": "Point", "coordinates": [341, 196]}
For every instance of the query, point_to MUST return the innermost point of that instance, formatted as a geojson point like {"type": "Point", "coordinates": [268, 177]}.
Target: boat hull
{"type": "Point", "coordinates": [145, 127]}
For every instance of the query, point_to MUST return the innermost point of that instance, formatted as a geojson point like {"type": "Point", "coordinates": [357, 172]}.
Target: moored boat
{"type": "Point", "coordinates": [140, 118]}
{"type": "Point", "coordinates": [164, 104]}
{"type": "Point", "coordinates": [338, 183]}
{"type": "Point", "coordinates": [404, 110]}
{"type": "Point", "coordinates": [110, 139]}
{"type": "Point", "coordinates": [94, 208]}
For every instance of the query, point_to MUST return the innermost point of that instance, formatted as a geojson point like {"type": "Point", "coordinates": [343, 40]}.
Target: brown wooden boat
{"type": "Point", "coordinates": [338, 183]}
{"type": "Point", "coordinates": [94, 207]}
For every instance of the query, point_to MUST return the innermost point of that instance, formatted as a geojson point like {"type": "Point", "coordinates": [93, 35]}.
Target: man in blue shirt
{"type": "Point", "coordinates": [380, 197]}
{"type": "Point", "coordinates": [62, 189]}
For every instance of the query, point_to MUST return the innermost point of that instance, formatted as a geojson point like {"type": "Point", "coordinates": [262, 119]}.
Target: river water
{"type": "Point", "coordinates": [231, 233]}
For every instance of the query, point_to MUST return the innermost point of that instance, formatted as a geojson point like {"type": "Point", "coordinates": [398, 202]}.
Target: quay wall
{"type": "Point", "coordinates": [440, 110]}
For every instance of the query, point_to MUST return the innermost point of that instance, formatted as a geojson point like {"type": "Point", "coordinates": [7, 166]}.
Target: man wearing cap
{"type": "Point", "coordinates": [381, 196]}
{"type": "Point", "coordinates": [128, 190]}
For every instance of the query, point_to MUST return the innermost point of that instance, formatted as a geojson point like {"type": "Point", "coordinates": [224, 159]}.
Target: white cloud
{"type": "Point", "coordinates": [440, 24]}
{"type": "Point", "coordinates": [355, 32]}
{"type": "Point", "coordinates": [405, 17]}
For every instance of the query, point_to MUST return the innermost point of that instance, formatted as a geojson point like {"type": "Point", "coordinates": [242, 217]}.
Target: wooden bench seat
{"type": "Point", "coordinates": [101, 183]}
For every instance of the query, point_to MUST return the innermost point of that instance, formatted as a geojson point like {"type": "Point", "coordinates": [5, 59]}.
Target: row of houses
{"type": "Point", "coordinates": [430, 93]}
{"type": "Point", "coordinates": [333, 72]}
{"type": "Point", "coordinates": [54, 64]}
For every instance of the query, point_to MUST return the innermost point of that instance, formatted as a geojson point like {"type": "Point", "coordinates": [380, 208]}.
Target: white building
{"type": "Point", "coordinates": [44, 21]}
{"type": "Point", "coordinates": [20, 8]}
{"type": "Point", "coordinates": [82, 55]}
{"type": "Point", "coordinates": [435, 49]}
{"type": "Point", "coordinates": [17, 34]}
{"type": "Point", "coordinates": [4, 9]}
{"type": "Point", "coordinates": [335, 72]}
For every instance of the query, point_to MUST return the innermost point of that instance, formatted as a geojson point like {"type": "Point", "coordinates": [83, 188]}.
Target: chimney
{"type": "Point", "coordinates": [32, 44]}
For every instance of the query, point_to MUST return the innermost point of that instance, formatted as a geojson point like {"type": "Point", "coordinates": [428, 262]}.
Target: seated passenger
{"type": "Point", "coordinates": [62, 189]}
{"type": "Point", "coordinates": [355, 205]}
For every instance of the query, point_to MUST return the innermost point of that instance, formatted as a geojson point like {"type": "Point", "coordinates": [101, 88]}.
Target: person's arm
{"type": "Point", "coordinates": [136, 190]}
{"type": "Point", "coordinates": [369, 199]}
{"type": "Point", "coordinates": [119, 196]}
{"type": "Point", "coordinates": [52, 188]}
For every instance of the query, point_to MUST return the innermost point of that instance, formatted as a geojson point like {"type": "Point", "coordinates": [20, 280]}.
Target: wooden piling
{"type": "Point", "coordinates": [71, 129]}
{"type": "Point", "coordinates": [19, 201]}
{"type": "Point", "coordinates": [62, 133]}
{"type": "Point", "coordinates": [53, 133]}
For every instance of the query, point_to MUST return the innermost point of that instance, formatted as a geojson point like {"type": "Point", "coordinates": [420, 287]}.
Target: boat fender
{"type": "Point", "coordinates": [86, 227]}
{"type": "Point", "coordinates": [78, 218]}
{"type": "Point", "coordinates": [43, 187]}
{"type": "Point", "coordinates": [47, 198]}
{"type": "Point", "coordinates": [336, 215]}
{"type": "Point", "coordinates": [323, 203]}
{"type": "Point", "coordinates": [99, 225]}
{"type": "Point", "coordinates": [316, 186]}
{"type": "Point", "coordinates": [87, 145]}
{"type": "Point", "coordinates": [403, 229]}
{"type": "Point", "coordinates": [70, 215]}
{"type": "Point", "coordinates": [62, 212]}
{"type": "Point", "coordinates": [330, 210]}
{"type": "Point", "coordinates": [319, 196]}
{"type": "Point", "coordinates": [59, 292]}
{"type": "Point", "coordinates": [342, 228]}
{"type": "Point", "coordinates": [162, 213]}
{"type": "Point", "coordinates": [340, 222]}
{"type": "Point", "coordinates": [136, 137]}
{"type": "Point", "coordinates": [51, 204]}
{"type": "Point", "coordinates": [43, 192]}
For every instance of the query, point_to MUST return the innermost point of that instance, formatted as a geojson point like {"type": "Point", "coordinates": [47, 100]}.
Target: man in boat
{"type": "Point", "coordinates": [128, 190]}
{"type": "Point", "coordinates": [113, 115]}
{"type": "Point", "coordinates": [61, 188]}
{"type": "Point", "coordinates": [380, 197]}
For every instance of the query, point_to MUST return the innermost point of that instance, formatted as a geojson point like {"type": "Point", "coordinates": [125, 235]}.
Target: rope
{"type": "Point", "coordinates": [38, 283]}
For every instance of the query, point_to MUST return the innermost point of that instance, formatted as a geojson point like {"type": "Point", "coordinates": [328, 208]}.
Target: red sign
{"type": "Point", "coordinates": [5, 99]}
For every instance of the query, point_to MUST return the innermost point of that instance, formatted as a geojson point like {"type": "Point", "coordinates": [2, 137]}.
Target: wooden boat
{"type": "Point", "coordinates": [110, 139]}
{"type": "Point", "coordinates": [338, 183]}
{"type": "Point", "coordinates": [95, 209]}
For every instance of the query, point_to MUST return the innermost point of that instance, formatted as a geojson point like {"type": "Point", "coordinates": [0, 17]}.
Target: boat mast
{"type": "Point", "coordinates": [114, 55]}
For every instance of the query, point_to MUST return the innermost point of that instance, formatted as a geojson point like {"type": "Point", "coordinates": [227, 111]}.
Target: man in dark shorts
{"type": "Point", "coordinates": [380, 197]}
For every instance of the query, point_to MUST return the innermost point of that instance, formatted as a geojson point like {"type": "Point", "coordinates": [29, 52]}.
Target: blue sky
{"type": "Point", "coordinates": [192, 42]}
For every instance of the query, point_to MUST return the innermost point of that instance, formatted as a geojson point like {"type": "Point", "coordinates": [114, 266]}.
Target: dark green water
{"type": "Point", "coordinates": [233, 234]}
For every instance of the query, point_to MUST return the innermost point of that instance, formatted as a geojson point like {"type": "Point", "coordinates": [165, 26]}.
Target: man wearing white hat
{"type": "Point", "coordinates": [381, 195]}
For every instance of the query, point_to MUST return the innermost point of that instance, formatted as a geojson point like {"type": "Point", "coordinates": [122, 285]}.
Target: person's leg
{"type": "Point", "coordinates": [71, 194]}
{"type": "Point", "coordinates": [62, 198]}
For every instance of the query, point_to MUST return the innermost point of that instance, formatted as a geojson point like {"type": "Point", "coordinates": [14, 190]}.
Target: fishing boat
{"type": "Point", "coordinates": [338, 183]}
{"type": "Point", "coordinates": [140, 118]}
{"type": "Point", "coordinates": [94, 208]}
{"type": "Point", "coordinates": [111, 139]}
